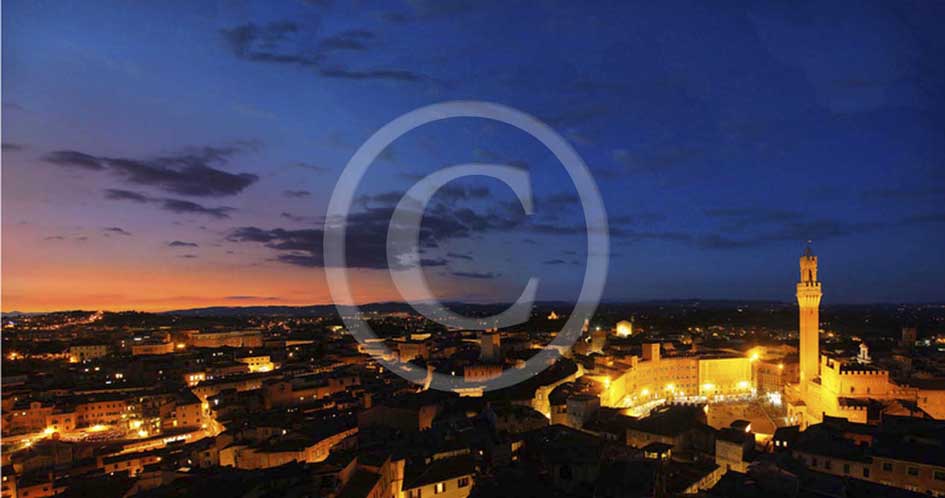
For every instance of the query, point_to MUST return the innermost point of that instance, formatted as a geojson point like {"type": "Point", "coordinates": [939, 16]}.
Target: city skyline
{"type": "Point", "coordinates": [185, 159]}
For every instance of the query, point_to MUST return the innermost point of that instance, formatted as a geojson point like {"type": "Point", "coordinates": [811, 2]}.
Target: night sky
{"type": "Point", "coordinates": [165, 155]}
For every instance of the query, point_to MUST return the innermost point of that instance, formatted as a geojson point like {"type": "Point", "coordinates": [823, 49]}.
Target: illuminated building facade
{"type": "Point", "coordinates": [809, 293]}
{"type": "Point", "coordinates": [835, 387]}
{"type": "Point", "coordinates": [653, 378]}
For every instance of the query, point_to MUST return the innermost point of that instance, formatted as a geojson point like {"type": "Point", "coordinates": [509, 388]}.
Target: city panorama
{"type": "Point", "coordinates": [450, 249]}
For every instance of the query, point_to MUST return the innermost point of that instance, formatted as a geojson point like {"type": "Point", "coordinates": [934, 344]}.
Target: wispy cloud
{"type": "Point", "coordinates": [178, 206]}
{"type": "Point", "coordinates": [115, 231]}
{"type": "Point", "coordinates": [192, 172]}
{"type": "Point", "coordinates": [282, 42]}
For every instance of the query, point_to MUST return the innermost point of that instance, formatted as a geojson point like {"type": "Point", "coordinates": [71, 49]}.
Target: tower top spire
{"type": "Point", "coordinates": [808, 252]}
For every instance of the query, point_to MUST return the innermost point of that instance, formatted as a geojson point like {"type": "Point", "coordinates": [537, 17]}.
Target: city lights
{"type": "Point", "coordinates": [457, 249]}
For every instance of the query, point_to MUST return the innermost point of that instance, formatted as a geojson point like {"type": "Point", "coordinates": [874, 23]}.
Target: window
{"type": "Point", "coordinates": [827, 464]}
{"type": "Point", "coordinates": [415, 493]}
{"type": "Point", "coordinates": [913, 471]}
{"type": "Point", "coordinates": [462, 482]}
{"type": "Point", "coordinates": [439, 487]}
{"type": "Point", "coordinates": [887, 467]}
{"type": "Point", "coordinates": [939, 475]}
{"type": "Point", "coordinates": [813, 462]}
{"type": "Point", "coordinates": [866, 471]}
{"type": "Point", "coordinates": [846, 468]}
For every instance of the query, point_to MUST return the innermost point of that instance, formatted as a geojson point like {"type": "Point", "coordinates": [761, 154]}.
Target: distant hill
{"type": "Point", "coordinates": [393, 307]}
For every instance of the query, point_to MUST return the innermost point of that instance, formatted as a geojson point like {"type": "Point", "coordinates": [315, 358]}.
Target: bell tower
{"type": "Point", "coordinates": [808, 301]}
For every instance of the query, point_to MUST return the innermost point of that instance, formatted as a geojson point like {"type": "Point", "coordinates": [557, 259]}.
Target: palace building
{"type": "Point", "coordinates": [838, 387]}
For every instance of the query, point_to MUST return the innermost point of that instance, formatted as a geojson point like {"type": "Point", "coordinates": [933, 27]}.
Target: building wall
{"type": "Point", "coordinates": [152, 349]}
{"type": "Point", "coordinates": [87, 352]}
{"type": "Point", "coordinates": [458, 487]}
{"type": "Point", "coordinates": [725, 376]}
{"type": "Point", "coordinates": [100, 412]}
{"type": "Point", "coordinates": [234, 339]}
{"type": "Point", "coordinates": [927, 479]}
{"type": "Point", "coordinates": [932, 402]}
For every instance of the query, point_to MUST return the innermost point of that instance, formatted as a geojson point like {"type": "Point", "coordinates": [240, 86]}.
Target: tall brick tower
{"type": "Point", "coordinates": [808, 300]}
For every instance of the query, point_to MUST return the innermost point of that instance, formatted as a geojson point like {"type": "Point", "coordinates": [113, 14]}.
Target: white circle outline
{"type": "Point", "coordinates": [595, 217]}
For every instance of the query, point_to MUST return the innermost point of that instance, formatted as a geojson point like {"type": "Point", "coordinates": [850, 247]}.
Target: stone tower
{"type": "Point", "coordinates": [808, 300]}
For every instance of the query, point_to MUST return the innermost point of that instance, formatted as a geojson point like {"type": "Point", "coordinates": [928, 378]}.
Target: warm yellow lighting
{"type": "Point", "coordinates": [754, 356]}
{"type": "Point", "coordinates": [48, 431]}
{"type": "Point", "coordinates": [708, 386]}
{"type": "Point", "coordinates": [624, 328]}
{"type": "Point", "coordinates": [780, 366]}
{"type": "Point", "coordinates": [744, 384]}
{"type": "Point", "coordinates": [98, 428]}
{"type": "Point", "coordinates": [142, 433]}
{"type": "Point", "coordinates": [135, 424]}
{"type": "Point", "coordinates": [180, 345]}
{"type": "Point", "coordinates": [644, 392]}
{"type": "Point", "coordinates": [670, 387]}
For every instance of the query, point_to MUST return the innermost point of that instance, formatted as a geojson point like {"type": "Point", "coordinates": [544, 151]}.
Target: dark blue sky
{"type": "Point", "coordinates": [182, 153]}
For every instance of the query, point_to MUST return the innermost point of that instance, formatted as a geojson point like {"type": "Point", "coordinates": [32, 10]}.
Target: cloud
{"type": "Point", "coordinates": [433, 262]}
{"type": "Point", "coordinates": [263, 43]}
{"type": "Point", "coordinates": [252, 298]}
{"type": "Point", "coordinates": [340, 71]}
{"type": "Point", "coordinates": [187, 207]}
{"type": "Point", "coordinates": [178, 206]}
{"type": "Point", "coordinates": [116, 231]}
{"type": "Point", "coordinates": [178, 243]}
{"type": "Point", "coordinates": [469, 274]}
{"type": "Point", "coordinates": [554, 262]}
{"type": "Point", "coordinates": [298, 219]}
{"type": "Point", "coordinates": [12, 147]}
{"type": "Point", "coordinates": [72, 158]}
{"type": "Point", "coordinates": [283, 42]}
{"type": "Point", "coordinates": [192, 172]}
{"type": "Point", "coordinates": [367, 235]}
{"type": "Point", "coordinates": [444, 220]}
{"type": "Point", "coordinates": [296, 194]}
{"type": "Point", "coordinates": [125, 195]}
{"type": "Point", "coordinates": [188, 256]}
{"type": "Point", "coordinates": [355, 39]}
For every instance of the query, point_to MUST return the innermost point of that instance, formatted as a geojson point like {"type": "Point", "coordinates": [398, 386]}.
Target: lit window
{"type": "Point", "coordinates": [439, 487]}
{"type": "Point", "coordinates": [464, 481]}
